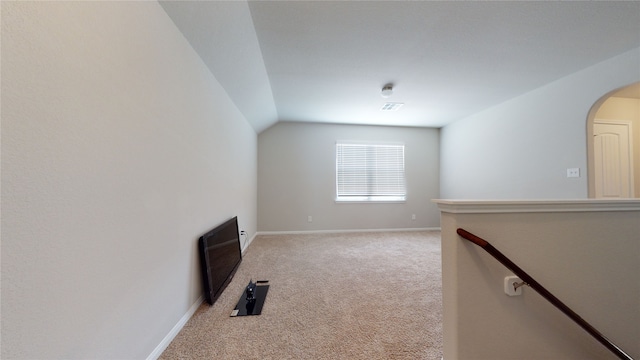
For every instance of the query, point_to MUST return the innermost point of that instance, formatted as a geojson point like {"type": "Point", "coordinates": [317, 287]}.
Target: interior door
{"type": "Point", "coordinates": [613, 159]}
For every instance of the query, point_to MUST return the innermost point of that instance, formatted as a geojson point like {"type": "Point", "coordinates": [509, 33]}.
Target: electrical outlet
{"type": "Point", "coordinates": [413, 216]}
{"type": "Point", "coordinates": [309, 218]}
{"type": "Point", "coordinates": [573, 172]}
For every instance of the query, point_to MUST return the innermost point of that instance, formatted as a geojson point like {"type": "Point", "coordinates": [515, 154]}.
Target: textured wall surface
{"type": "Point", "coordinates": [297, 179]}
{"type": "Point", "coordinates": [587, 258]}
{"type": "Point", "coordinates": [522, 148]}
{"type": "Point", "coordinates": [119, 149]}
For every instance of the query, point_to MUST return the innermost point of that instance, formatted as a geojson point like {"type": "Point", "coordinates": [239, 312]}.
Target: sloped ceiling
{"type": "Point", "coordinates": [326, 61]}
{"type": "Point", "coordinates": [222, 33]}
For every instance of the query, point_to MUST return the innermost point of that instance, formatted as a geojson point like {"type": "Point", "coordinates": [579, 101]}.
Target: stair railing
{"type": "Point", "coordinates": [528, 280]}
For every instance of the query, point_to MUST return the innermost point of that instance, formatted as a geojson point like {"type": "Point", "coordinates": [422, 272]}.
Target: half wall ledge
{"type": "Point", "coordinates": [527, 206]}
{"type": "Point", "coordinates": [584, 251]}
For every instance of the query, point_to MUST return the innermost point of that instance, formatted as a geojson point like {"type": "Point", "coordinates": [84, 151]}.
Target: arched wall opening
{"type": "Point", "coordinates": [620, 106]}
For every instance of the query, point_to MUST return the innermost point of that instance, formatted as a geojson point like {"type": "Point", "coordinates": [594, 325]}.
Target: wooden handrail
{"type": "Point", "coordinates": [544, 292]}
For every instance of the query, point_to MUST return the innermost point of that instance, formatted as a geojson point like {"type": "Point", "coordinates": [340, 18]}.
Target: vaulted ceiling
{"type": "Point", "coordinates": [327, 61]}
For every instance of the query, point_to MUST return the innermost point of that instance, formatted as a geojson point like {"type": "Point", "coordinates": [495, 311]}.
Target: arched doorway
{"type": "Point", "coordinates": [613, 144]}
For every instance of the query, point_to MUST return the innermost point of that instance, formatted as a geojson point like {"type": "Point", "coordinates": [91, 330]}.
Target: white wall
{"type": "Point", "coordinates": [296, 179]}
{"type": "Point", "coordinates": [119, 148]}
{"type": "Point", "coordinates": [615, 108]}
{"type": "Point", "coordinates": [522, 148]}
{"type": "Point", "coordinates": [585, 252]}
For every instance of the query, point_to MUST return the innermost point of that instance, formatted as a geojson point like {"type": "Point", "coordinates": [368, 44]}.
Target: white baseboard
{"type": "Point", "coordinates": [344, 231]}
{"type": "Point", "coordinates": [155, 354]}
{"type": "Point", "coordinates": [175, 330]}
{"type": "Point", "coordinates": [246, 244]}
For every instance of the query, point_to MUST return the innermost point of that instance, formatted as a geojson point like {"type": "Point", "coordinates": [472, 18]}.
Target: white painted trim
{"type": "Point", "coordinates": [533, 206]}
{"type": "Point", "coordinates": [629, 125]}
{"type": "Point", "coordinates": [246, 245]}
{"type": "Point", "coordinates": [175, 330]}
{"type": "Point", "coordinates": [344, 231]}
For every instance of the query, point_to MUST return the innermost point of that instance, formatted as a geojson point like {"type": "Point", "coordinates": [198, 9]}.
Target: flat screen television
{"type": "Point", "coordinates": [220, 256]}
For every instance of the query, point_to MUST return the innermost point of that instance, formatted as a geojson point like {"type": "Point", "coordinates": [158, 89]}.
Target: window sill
{"type": "Point", "coordinates": [371, 200]}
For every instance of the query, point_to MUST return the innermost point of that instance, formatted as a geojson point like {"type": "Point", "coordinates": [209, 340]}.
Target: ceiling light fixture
{"type": "Point", "coordinates": [387, 90]}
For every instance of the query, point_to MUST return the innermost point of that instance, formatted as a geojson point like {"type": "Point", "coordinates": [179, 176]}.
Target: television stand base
{"type": "Point", "coordinates": [254, 305]}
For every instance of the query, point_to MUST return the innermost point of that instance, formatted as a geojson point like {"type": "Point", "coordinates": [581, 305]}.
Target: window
{"type": "Point", "coordinates": [370, 172]}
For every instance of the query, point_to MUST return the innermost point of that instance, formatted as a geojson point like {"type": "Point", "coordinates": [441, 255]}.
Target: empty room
{"type": "Point", "coordinates": [353, 147]}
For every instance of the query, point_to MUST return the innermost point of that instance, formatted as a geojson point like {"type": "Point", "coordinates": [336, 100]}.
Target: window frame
{"type": "Point", "coordinates": [370, 198]}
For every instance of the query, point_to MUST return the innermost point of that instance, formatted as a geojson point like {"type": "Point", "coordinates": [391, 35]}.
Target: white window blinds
{"type": "Point", "coordinates": [370, 172]}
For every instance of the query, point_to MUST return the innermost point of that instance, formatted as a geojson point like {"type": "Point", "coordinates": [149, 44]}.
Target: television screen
{"type": "Point", "coordinates": [220, 256]}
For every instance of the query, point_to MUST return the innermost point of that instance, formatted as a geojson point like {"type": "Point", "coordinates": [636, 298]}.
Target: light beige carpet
{"type": "Point", "coordinates": [331, 296]}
